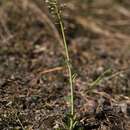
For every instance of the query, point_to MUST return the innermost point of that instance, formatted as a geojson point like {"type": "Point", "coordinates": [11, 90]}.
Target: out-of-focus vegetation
{"type": "Point", "coordinates": [33, 80]}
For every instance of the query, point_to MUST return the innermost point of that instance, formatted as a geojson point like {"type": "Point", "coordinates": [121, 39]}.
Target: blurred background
{"type": "Point", "coordinates": [33, 81]}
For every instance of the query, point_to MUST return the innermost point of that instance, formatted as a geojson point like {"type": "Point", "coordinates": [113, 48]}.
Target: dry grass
{"type": "Point", "coordinates": [98, 39]}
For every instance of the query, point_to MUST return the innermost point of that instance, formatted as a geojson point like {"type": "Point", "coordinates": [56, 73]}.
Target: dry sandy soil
{"type": "Point", "coordinates": [33, 80]}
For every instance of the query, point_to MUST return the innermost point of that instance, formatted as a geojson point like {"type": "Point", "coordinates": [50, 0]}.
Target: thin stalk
{"type": "Point", "coordinates": [68, 64]}
{"type": "Point", "coordinates": [20, 122]}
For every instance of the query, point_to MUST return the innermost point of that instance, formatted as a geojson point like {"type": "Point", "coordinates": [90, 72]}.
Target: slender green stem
{"type": "Point", "coordinates": [55, 9]}
{"type": "Point", "coordinates": [68, 64]}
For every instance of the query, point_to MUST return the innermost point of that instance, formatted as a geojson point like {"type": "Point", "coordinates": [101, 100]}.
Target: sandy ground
{"type": "Point", "coordinates": [33, 78]}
